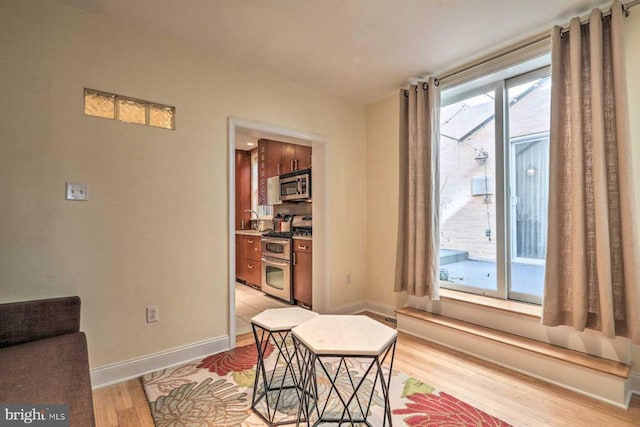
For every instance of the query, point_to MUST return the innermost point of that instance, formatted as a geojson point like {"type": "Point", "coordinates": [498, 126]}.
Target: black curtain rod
{"type": "Point", "coordinates": [625, 9]}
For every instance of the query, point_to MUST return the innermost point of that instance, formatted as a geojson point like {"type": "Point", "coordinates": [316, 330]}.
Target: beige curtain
{"type": "Point", "coordinates": [418, 263]}
{"type": "Point", "coordinates": [591, 277]}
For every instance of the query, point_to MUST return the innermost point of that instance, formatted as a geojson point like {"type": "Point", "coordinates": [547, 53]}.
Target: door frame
{"type": "Point", "coordinates": [319, 210]}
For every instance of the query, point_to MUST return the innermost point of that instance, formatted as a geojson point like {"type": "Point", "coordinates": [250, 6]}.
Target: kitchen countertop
{"type": "Point", "coordinates": [259, 233]}
{"type": "Point", "coordinates": [249, 232]}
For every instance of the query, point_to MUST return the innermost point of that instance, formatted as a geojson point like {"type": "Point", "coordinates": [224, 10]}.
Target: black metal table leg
{"type": "Point", "coordinates": [315, 409]}
{"type": "Point", "coordinates": [266, 385]}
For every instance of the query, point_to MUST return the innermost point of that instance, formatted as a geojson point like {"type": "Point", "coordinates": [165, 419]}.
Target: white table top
{"type": "Point", "coordinates": [345, 335]}
{"type": "Point", "coordinates": [280, 319]}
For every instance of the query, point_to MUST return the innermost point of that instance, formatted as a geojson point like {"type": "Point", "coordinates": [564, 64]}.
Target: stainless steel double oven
{"type": "Point", "coordinates": [276, 267]}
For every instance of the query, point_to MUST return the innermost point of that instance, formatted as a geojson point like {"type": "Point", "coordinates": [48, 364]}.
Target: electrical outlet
{"type": "Point", "coordinates": [347, 279]}
{"type": "Point", "coordinates": [153, 314]}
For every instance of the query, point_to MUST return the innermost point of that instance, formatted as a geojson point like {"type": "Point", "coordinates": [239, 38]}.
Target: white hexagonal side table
{"type": "Point", "coordinates": [270, 388]}
{"type": "Point", "coordinates": [346, 361]}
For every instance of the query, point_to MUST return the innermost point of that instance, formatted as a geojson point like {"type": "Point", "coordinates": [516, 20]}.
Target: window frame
{"type": "Point", "coordinates": [148, 105]}
{"type": "Point", "coordinates": [502, 177]}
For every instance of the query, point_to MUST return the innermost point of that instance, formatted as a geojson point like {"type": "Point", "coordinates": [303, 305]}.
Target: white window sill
{"type": "Point", "coordinates": [523, 308]}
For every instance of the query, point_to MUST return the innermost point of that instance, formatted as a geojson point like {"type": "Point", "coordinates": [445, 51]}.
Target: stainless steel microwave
{"type": "Point", "coordinates": [295, 186]}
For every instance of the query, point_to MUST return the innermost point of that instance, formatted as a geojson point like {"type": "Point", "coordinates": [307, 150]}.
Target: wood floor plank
{"type": "Point", "coordinates": [128, 417]}
{"type": "Point", "coordinates": [513, 397]}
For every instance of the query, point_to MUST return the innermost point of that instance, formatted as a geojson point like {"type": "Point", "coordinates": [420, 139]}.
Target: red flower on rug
{"type": "Point", "coordinates": [237, 360]}
{"type": "Point", "coordinates": [442, 409]}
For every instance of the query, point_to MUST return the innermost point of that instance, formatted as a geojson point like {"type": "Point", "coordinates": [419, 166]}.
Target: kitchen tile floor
{"type": "Point", "coordinates": [250, 302]}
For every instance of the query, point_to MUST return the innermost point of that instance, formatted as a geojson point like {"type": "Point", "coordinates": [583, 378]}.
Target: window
{"type": "Point", "coordinates": [128, 110]}
{"type": "Point", "coordinates": [494, 154]}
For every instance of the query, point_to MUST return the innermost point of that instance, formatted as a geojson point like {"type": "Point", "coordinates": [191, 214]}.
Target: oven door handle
{"type": "Point", "coordinates": [271, 261]}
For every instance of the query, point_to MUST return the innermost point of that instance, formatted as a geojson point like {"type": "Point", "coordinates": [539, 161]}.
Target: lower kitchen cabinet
{"type": "Point", "coordinates": [253, 273]}
{"type": "Point", "coordinates": [302, 272]}
{"type": "Point", "coordinates": [240, 274]}
{"type": "Point", "coordinates": [248, 260]}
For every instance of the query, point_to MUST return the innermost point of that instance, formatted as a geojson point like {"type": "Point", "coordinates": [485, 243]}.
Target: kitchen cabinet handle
{"type": "Point", "coordinates": [278, 168]}
{"type": "Point", "coordinates": [292, 165]}
{"type": "Point", "coordinates": [241, 225]}
{"type": "Point", "coordinates": [250, 267]}
{"type": "Point", "coordinates": [302, 247]}
{"type": "Point", "coordinates": [294, 259]}
{"type": "Point", "coordinates": [249, 240]}
{"type": "Point", "coordinates": [296, 164]}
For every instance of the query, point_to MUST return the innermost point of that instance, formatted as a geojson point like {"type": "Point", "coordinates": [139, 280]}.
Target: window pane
{"type": "Point", "coordinates": [99, 104]}
{"type": "Point", "coordinates": [131, 111]}
{"type": "Point", "coordinates": [529, 115]}
{"type": "Point", "coordinates": [161, 117]}
{"type": "Point", "coordinates": [467, 199]}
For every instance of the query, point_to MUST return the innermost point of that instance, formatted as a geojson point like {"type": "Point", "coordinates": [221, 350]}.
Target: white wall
{"type": "Point", "coordinates": [155, 228]}
{"type": "Point", "coordinates": [382, 201]}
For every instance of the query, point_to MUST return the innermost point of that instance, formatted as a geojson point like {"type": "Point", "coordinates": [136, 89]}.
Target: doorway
{"type": "Point", "coordinates": [245, 302]}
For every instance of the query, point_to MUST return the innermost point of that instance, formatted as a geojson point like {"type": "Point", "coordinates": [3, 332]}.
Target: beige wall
{"type": "Point", "coordinates": [382, 177]}
{"type": "Point", "coordinates": [155, 230]}
{"type": "Point", "coordinates": [382, 198]}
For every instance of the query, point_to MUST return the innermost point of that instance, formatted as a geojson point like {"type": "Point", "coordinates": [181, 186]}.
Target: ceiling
{"type": "Point", "coordinates": [361, 50]}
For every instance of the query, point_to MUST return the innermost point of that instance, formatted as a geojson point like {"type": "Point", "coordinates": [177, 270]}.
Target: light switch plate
{"type": "Point", "coordinates": [77, 191]}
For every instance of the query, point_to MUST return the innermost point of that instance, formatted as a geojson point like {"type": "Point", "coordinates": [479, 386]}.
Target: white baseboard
{"type": "Point", "coordinates": [350, 308]}
{"type": "Point", "coordinates": [386, 310]}
{"type": "Point", "coordinates": [633, 386]}
{"type": "Point", "coordinates": [133, 368]}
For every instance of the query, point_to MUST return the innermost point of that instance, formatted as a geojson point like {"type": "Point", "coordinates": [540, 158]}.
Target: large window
{"type": "Point", "coordinates": [494, 145]}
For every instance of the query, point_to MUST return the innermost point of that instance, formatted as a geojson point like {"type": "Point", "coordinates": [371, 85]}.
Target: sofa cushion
{"type": "Point", "coordinates": [26, 321]}
{"type": "Point", "coordinates": [49, 371]}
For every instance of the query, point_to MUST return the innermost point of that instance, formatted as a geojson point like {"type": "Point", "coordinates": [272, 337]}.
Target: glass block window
{"type": "Point", "coordinates": [129, 110]}
{"type": "Point", "coordinates": [161, 117]}
{"type": "Point", "coordinates": [99, 104]}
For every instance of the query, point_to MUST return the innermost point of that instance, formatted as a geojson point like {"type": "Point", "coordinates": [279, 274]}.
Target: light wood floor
{"type": "Point", "coordinates": [510, 396]}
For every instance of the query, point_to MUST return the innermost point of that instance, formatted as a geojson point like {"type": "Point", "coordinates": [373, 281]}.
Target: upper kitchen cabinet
{"type": "Point", "coordinates": [269, 165]}
{"type": "Point", "coordinates": [303, 157]}
{"type": "Point", "coordinates": [243, 189]}
{"type": "Point", "coordinates": [295, 157]}
{"type": "Point", "coordinates": [276, 158]}
{"type": "Point", "coordinates": [270, 157]}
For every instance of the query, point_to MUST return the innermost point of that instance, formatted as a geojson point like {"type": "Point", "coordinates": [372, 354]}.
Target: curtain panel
{"type": "Point", "coordinates": [591, 277]}
{"type": "Point", "coordinates": [418, 263]}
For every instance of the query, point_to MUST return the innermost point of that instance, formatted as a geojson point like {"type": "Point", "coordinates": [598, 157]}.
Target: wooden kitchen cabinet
{"type": "Point", "coordinates": [303, 157]}
{"type": "Point", "coordinates": [252, 253]}
{"type": "Point", "coordinates": [269, 165]}
{"type": "Point", "coordinates": [276, 158]}
{"type": "Point", "coordinates": [288, 157]}
{"type": "Point", "coordinates": [249, 260]}
{"type": "Point", "coordinates": [295, 157]}
{"type": "Point", "coordinates": [302, 272]}
{"type": "Point", "coordinates": [243, 190]}
{"type": "Point", "coordinates": [240, 273]}
{"type": "Point", "coordinates": [252, 247]}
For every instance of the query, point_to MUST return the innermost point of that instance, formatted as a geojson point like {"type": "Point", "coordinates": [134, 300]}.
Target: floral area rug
{"type": "Point", "coordinates": [217, 391]}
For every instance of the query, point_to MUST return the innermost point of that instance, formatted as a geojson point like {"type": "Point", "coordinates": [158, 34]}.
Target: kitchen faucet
{"type": "Point", "coordinates": [256, 226]}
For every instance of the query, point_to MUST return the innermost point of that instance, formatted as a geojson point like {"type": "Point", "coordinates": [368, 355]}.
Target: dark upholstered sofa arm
{"type": "Point", "coordinates": [27, 321]}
